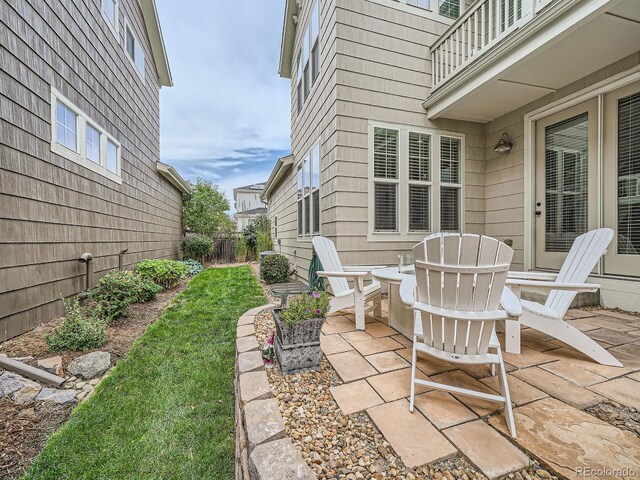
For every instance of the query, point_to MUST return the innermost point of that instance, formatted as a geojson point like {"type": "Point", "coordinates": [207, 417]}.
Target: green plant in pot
{"type": "Point", "coordinates": [298, 326]}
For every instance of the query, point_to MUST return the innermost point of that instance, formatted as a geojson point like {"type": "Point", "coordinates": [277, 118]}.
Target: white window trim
{"type": "Point", "coordinates": [402, 216]}
{"type": "Point", "coordinates": [596, 90]}
{"type": "Point", "coordinates": [79, 156]}
{"type": "Point", "coordinates": [421, 12]}
{"type": "Point", "coordinates": [300, 57]}
{"type": "Point", "coordinates": [300, 165]}
{"type": "Point", "coordinates": [114, 28]}
{"type": "Point", "coordinates": [127, 26]}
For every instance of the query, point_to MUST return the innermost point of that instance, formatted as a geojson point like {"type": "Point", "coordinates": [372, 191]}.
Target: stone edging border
{"type": "Point", "coordinates": [263, 449]}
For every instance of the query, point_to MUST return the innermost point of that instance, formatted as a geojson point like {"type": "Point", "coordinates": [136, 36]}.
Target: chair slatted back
{"type": "Point", "coordinates": [581, 259]}
{"type": "Point", "coordinates": [328, 255]}
{"type": "Point", "coordinates": [460, 273]}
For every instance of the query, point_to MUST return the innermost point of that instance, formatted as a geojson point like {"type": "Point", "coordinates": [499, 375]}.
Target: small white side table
{"type": "Point", "coordinates": [400, 317]}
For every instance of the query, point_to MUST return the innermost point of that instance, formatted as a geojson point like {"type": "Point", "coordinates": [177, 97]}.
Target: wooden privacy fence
{"type": "Point", "coordinates": [224, 249]}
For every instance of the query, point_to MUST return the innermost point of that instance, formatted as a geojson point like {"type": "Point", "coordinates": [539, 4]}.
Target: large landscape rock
{"type": "Point", "coordinates": [57, 396]}
{"type": "Point", "coordinates": [27, 393]}
{"type": "Point", "coordinates": [278, 460]}
{"type": "Point", "coordinates": [90, 365]}
{"type": "Point", "coordinates": [9, 383]}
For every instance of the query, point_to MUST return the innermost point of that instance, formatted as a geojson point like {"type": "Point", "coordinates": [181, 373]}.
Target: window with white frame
{"type": "Point", "coordinates": [446, 8]}
{"type": "Point", "coordinates": [308, 195]}
{"type": "Point", "coordinates": [134, 50]}
{"type": "Point", "coordinates": [449, 8]}
{"type": "Point", "coordinates": [424, 4]}
{"type": "Point", "coordinates": [415, 181]}
{"type": "Point", "coordinates": [78, 138]}
{"type": "Point", "coordinates": [110, 13]}
{"type": "Point", "coordinates": [308, 59]}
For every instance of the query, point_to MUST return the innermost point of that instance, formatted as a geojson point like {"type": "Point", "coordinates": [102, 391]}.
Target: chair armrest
{"type": "Point", "coordinates": [408, 291]}
{"type": "Point", "coordinates": [532, 276]}
{"type": "Point", "coordinates": [542, 285]}
{"type": "Point", "coordinates": [510, 303]}
{"type": "Point", "coordinates": [342, 274]}
{"type": "Point", "coordinates": [362, 268]}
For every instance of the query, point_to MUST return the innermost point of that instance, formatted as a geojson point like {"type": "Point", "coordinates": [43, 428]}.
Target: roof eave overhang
{"type": "Point", "coordinates": [174, 178]}
{"type": "Point", "coordinates": [152, 24]}
{"type": "Point", "coordinates": [282, 166]}
{"type": "Point", "coordinates": [288, 37]}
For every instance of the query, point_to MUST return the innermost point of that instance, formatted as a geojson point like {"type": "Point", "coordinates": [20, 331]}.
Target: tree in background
{"type": "Point", "coordinates": [257, 235]}
{"type": "Point", "coordinates": [206, 210]}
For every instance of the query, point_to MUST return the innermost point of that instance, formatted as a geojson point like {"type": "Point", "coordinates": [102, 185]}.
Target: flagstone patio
{"type": "Point", "coordinates": [551, 386]}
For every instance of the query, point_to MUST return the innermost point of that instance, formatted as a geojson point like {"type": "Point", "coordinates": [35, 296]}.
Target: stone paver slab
{"type": "Point", "coordinates": [527, 358]}
{"type": "Point", "coordinates": [573, 372]}
{"type": "Point", "coordinates": [635, 376]}
{"type": "Point", "coordinates": [387, 361]}
{"type": "Point", "coordinates": [583, 324]}
{"type": "Point", "coordinates": [254, 385]}
{"type": "Point", "coordinates": [351, 366]}
{"type": "Point", "coordinates": [521, 392]}
{"type": "Point", "coordinates": [608, 336]}
{"type": "Point", "coordinates": [442, 409]}
{"type": "Point", "coordinates": [263, 421]}
{"type": "Point", "coordinates": [376, 345]}
{"type": "Point", "coordinates": [566, 438]}
{"type": "Point", "coordinates": [246, 330]}
{"type": "Point", "coordinates": [248, 361]}
{"type": "Point", "coordinates": [630, 349]}
{"type": "Point", "coordinates": [410, 434]}
{"type": "Point", "coordinates": [246, 320]}
{"type": "Point", "coordinates": [573, 357]}
{"type": "Point", "coordinates": [355, 396]}
{"type": "Point", "coordinates": [339, 325]}
{"type": "Point", "coordinates": [245, 344]}
{"type": "Point", "coordinates": [558, 387]}
{"type": "Point", "coordinates": [397, 384]}
{"type": "Point", "coordinates": [458, 378]}
{"type": "Point", "coordinates": [379, 330]}
{"type": "Point", "coordinates": [621, 390]}
{"type": "Point", "coordinates": [487, 449]}
{"type": "Point", "coordinates": [575, 313]}
{"type": "Point", "coordinates": [356, 336]}
{"type": "Point", "coordinates": [403, 340]}
{"type": "Point", "coordinates": [333, 344]}
{"type": "Point", "coordinates": [278, 460]}
{"type": "Point", "coordinates": [613, 323]}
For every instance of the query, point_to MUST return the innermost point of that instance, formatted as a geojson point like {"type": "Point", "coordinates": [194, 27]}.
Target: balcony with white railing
{"type": "Point", "coordinates": [500, 55]}
{"type": "Point", "coordinates": [482, 26]}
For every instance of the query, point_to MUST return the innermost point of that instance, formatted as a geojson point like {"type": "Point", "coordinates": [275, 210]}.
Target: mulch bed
{"type": "Point", "coordinates": [24, 429]}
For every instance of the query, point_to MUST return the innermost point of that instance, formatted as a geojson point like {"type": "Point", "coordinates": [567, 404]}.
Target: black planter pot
{"type": "Point", "coordinates": [297, 346]}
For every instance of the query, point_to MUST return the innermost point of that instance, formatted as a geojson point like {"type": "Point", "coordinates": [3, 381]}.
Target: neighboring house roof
{"type": "Point", "coordinates": [256, 187]}
{"type": "Point", "coordinates": [288, 37]}
{"type": "Point", "coordinates": [170, 173]}
{"type": "Point", "coordinates": [280, 169]}
{"type": "Point", "coordinates": [152, 23]}
{"type": "Point", "coordinates": [253, 211]}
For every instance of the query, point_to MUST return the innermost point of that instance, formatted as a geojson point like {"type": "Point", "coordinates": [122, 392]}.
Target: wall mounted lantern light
{"type": "Point", "coordinates": [504, 146]}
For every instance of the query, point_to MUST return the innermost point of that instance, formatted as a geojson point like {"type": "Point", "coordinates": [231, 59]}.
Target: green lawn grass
{"type": "Point", "coordinates": [167, 410]}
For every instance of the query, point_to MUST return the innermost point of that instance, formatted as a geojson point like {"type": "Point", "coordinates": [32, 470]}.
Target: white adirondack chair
{"type": "Point", "coordinates": [459, 287]}
{"type": "Point", "coordinates": [562, 287]}
{"type": "Point", "coordinates": [362, 298]}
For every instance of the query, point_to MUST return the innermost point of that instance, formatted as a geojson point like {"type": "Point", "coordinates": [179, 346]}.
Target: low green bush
{"type": "Point", "coordinates": [81, 329]}
{"type": "Point", "coordinates": [241, 250]}
{"type": "Point", "coordinates": [167, 273]}
{"type": "Point", "coordinates": [196, 247]}
{"type": "Point", "coordinates": [305, 306]}
{"type": "Point", "coordinates": [275, 269]}
{"type": "Point", "coordinates": [118, 289]}
{"type": "Point", "coordinates": [193, 267]}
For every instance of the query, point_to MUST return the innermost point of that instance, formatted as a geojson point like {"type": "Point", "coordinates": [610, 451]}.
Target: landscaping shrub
{"type": "Point", "coordinates": [275, 269]}
{"type": "Point", "coordinates": [305, 306]}
{"type": "Point", "coordinates": [193, 267]}
{"type": "Point", "coordinates": [196, 247]}
{"type": "Point", "coordinates": [118, 289]}
{"type": "Point", "coordinates": [241, 249]}
{"type": "Point", "coordinates": [263, 242]}
{"type": "Point", "coordinates": [167, 273]}
{"type": "Point", "coordinates": [81, 329]}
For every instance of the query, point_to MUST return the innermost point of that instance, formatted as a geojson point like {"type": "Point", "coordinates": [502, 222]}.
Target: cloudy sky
{"type": "Point", "coordinates": [226, 119]}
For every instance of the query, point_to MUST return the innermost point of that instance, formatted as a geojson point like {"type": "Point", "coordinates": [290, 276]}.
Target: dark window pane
{"type": "Point", "coordinates": [315, 62]}
{"type": "Point", "coordinates": [307, 85]}
{"type": "Point", "coordinates": [449, 8]}
{"type": "Point", "coordinates": [418, 208]}
{"type": "Point", "coordinates": [316, 211]}
{"type": "Point", "coordinates": [385, 207]}
{"type": "Point", "coordinates": [629, 175]}
{"type": "Point", "coordinates": [385, 153]}
{"type": "Point", "coordinates": [307, 214]}
{"type": "Point", "coordinates": [300, 97]}
{"type": "Point", "coordinates": [299, 217]}
{"type": "Point", "coordinates": [450, 209]}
